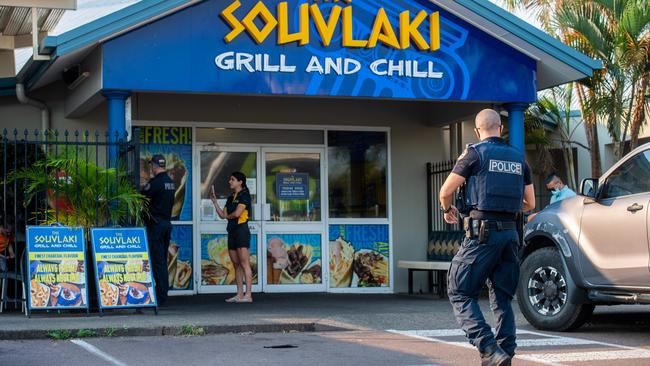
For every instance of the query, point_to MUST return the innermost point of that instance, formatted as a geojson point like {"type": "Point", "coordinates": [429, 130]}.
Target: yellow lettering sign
{"type": "Point", "coordinates": [409, 30]}
{"type": "Point", "coordinates": [325, 30]}
{"type": "Point", "coordinates": [302, 37]}
{"type": "Point", "coordinates": [383, 31]}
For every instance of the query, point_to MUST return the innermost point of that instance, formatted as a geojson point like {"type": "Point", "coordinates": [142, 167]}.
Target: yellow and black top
{"type": "Point", "coordinates": [235, 200]}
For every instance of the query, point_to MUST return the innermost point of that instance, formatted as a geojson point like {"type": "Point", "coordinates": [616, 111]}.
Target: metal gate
{"type": "Point", "coordinates": [39, 173]}
{"type": "Point", "coordinates": [436, 175]}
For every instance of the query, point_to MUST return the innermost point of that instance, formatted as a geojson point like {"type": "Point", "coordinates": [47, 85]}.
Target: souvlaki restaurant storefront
{"type": "Point", "coordinates": [331, 109]}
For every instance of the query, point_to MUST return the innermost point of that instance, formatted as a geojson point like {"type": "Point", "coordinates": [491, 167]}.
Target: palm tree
{"type": "Point", "coordinates": [542, 10]}
{"type": "Point", "coordinates": [555, 107]}
{"type": "Point", "coordinates": [617, 32]}
{"type": "Point", "coordinates": [546, 11]}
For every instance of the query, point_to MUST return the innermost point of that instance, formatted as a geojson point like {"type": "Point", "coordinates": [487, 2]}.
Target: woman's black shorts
{"type": "Point", "coordinates": [239, 237]}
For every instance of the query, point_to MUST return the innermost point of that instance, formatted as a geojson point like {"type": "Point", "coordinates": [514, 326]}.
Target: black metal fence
{"type": "Point", "coordinates": [436, 175]}
{"type": "Point", "coordinates": [75, 178]}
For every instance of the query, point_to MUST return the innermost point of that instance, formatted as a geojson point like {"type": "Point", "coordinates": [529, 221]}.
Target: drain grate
{"type": "Point", "coordinates": [281, 346]}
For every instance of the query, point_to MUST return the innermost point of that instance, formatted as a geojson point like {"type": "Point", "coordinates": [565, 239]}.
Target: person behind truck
{"type": "Point", "coordinates": [559, 191]}
{"type": "Point", "coordinates": [499, 188]}
{"type": "Point", "coordinates": [160, 191]}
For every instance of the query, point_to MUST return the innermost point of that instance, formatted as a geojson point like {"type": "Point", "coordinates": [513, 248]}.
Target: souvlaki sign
{"type": "Point", "coordinates": [311, 23]}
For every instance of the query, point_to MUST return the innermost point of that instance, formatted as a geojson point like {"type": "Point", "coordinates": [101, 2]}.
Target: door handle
{"type": "Point", "coordinates": [635, 207]}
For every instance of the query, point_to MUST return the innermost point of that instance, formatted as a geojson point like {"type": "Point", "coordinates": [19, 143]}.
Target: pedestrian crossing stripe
{"type": "Point", "coordinates": [586, 356]}
{"type": "Point", "coordinates": [539, 340]}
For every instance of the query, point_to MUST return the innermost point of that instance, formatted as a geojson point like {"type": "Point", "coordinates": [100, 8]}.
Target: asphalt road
{"type": "Point", "coordinates": [615, 336]}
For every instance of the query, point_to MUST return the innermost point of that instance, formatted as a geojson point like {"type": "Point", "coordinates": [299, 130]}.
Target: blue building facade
{"type": "Point", "coordinates": [331, 109]}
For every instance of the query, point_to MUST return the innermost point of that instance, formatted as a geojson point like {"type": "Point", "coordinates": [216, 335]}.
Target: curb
{"type": "Point", "coordinates": [173, 330]}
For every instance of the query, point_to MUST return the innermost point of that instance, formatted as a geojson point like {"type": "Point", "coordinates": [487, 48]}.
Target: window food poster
{"type": "Point", "coordinates": [175, 144]}
{"type": "Point", "coordinates": [359, 256]}
{"type": "Point", "coordinates": [294, 259]}
{"type": "Point", "coordinates": [180, 258]}
{"type": "Point", "coordinates": [216, 266]}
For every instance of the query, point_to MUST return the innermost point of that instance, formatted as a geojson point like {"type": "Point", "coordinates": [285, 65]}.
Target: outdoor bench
{"type": "Point", "coordinates": [441, 249]}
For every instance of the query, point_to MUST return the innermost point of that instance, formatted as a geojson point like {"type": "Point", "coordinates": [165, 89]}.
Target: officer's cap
{"type": "Point", "coordinates": [159, 160]}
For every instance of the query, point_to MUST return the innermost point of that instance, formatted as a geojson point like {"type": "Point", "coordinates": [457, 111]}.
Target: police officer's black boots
{"type": "Point", "coordinates": [495, 356]}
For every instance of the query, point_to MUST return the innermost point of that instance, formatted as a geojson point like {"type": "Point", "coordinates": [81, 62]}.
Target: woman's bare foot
{"type": "Point", "coordinates": [247, 298]}
{"type": "Point", "coordinates": [235, 298]}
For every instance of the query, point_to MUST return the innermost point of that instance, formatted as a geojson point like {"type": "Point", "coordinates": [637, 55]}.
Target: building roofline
{"type": "Point", "coordinates": [147, 11]}
{"type": "Point", "coordinates": [533, 35]}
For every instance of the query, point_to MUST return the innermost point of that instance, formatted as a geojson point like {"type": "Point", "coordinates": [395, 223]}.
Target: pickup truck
{"type": "Point", "coordinates": [589, 250]}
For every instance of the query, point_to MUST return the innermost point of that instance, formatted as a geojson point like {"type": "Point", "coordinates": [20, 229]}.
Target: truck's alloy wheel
{"type": "Point", "coordinates": [547, 290]}
{"type": "Point", "coordinates": [547, 296]}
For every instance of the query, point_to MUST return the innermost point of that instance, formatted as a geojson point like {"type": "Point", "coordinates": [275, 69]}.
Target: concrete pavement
{"type": "Point", "coordinates": [285, 312]}
{"type": "Point", "coordinates": [269, 313]}
{"type": "Point", "coordinates": [370, 330]}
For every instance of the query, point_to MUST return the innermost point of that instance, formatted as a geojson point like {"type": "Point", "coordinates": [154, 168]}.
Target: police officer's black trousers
{"type": "Point", "coordinates": [495, 262]}
{"type": "Point", "coordinates": [159, 235]}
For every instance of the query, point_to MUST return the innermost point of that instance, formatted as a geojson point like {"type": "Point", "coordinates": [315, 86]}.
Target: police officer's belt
{"type": "Point", "coordinates": [497, 225]}
{"type": "Point", "coordinates": [480, 229]}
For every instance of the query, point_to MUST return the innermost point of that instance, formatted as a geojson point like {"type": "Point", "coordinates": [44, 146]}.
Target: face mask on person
{"type": "Point", "coordinates": [554, 191]}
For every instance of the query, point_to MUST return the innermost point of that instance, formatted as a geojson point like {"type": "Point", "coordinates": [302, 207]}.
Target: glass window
{"type": "Point", "coordinates": [632, 177]}
{"type": "Point", "coordinates": [216, 167]}
{"type": "Point", "coordinates": [357, 166]}
{"type": "Point", "coordinates": [259, 136]}
{"type": "Point", "coordinates": [293, 186]}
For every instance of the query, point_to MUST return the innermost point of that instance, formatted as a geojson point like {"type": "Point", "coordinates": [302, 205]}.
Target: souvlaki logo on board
{"type": "Point", "coordinates": [419, 31]}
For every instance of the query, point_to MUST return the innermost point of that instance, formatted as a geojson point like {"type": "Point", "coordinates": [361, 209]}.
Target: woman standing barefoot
{"type": "Point", "coordinates": [237, 212]}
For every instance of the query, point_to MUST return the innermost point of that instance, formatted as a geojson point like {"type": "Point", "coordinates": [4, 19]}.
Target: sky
{"type": "Point", "coordinates": [89, 10]}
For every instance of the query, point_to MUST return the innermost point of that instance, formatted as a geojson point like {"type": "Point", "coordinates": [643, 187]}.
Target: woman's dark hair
{"type": "Point", "coordinates": [240, 177]}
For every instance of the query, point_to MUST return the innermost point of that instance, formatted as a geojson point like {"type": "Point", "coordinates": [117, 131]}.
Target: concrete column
{"type": "Point", "coordinates": [516, 124]}
{"type": "Point", "coordinates": [116, 100]}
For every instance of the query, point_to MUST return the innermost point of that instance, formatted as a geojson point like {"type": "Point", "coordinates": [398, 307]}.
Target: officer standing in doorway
{"type": "Point", "coordinates": [499, 187]}
{"type": "Point", "coordinates": [160, 191]}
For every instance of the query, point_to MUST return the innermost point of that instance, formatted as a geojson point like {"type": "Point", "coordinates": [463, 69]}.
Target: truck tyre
{"type": "Point", "coordinates": [548, 296]}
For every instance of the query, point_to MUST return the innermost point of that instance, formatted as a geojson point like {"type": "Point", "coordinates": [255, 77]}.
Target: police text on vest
{"type": "Point", "coordinates": [508, 167]}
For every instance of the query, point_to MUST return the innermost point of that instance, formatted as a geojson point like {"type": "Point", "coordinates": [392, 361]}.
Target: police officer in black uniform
{"type": "Point", "coordinates": [160, 191]}
{"type": "Point", "coordinates": [499, 187]}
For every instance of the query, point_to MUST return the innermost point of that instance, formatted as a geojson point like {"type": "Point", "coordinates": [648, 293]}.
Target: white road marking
{"type": "Point", "coordinates": [420, 334]}
{"type": "Point", "coordinates": [621, 352]}
{"type": "Point", "coordinates": [97, 352]}
{"type": "Point", "coordinates": [442, 332]}
{"type": "Point", "coordinates": [550, 342]}
{"type": "Point", "coordinates": [586, 356]}
{"type": "Point", "coordinates": [426, 335]}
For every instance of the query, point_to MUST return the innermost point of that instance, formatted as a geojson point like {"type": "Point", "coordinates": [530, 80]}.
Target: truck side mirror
{"type": "Point", "coordinates": [589, 188]}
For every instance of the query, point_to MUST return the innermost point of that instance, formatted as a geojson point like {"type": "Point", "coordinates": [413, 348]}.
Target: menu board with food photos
{"type": "Point", "coordinates": [216, 267]}
{"type": "Point", "coordinates": [122, 268]}
{"type": "Point", "coordinates": [294, 259]}
{"type": "Point", "coordinates": [175, 144]}
{"type": "Point", "coordinates": [180, 259]}
{"type": "Point", "coordinates": [359, 256]}
{"type": "Point", "coordinates": [57, 268]}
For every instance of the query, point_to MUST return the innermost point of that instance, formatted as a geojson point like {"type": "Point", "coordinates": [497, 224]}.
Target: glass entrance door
{"type": "Point", "coordinates": [217, 273]}
{"type": "Point", "coordinates": [292, 219]}
{"type": "Point", "coordinates": [287, 225]}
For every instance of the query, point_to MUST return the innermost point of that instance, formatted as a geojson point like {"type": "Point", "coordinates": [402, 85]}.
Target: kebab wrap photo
{"type": "Point", "coordinates": [341, 261]}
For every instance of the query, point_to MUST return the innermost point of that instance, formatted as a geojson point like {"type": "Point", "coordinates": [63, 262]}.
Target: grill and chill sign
{"type": "Point", "coordinates": [406, 49]}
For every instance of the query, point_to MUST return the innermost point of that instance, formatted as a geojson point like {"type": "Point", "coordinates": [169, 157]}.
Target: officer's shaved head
{"type": "Point", "coordinates": [488, 119]}
{"type": "Point", "coordinates": [488, 124]}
